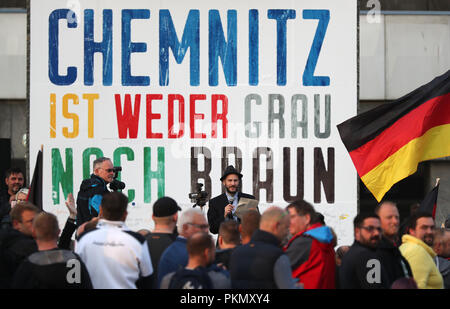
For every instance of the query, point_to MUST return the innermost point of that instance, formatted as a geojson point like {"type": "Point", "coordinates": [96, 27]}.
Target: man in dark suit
{"type": "Point", "coordinates": [223, 207]}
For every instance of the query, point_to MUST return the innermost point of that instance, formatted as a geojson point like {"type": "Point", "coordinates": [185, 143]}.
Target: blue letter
{"type": "Point", "coordinates": [253, 47]}
{"type": "Point", "coordinates": [53, 57]}
{"type": "Point", "coordinates": [218, 47]}
{"type": "Point", "coordinates": [308, 75]}
{"type": "Point", "coordinates": [129, 47]}
{"type": "Point", "coordinates": [281, 17]}
{"type": "Point", "coordinates": [168, 38]}
{"type": "Point", "coordinates": [91, 47]}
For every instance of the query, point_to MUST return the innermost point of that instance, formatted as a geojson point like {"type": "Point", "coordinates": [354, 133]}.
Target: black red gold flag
{"type": "Point", "coordinates": [429, 203]}
{"type": "Point", "coordinates": [387, 143]}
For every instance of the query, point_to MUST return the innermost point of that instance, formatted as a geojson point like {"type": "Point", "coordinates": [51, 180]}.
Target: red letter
{"type": "Point", "coordinates": [180, 99]}
{"type": "Point", "coordinates": [194, 116]}
{"type": "Point", "coordinates": [127, 121]}
{"type": "Point", "coordinates": [151, 116]}
{"type": "Point", "coordinates": [215, 116]}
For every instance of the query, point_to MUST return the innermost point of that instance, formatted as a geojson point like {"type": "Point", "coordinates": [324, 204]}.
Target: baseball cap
{"type": "Point", "coordinates": [165, 206]}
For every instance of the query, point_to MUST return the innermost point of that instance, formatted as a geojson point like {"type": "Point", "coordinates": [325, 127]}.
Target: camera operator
{"type": "Point", "coordinates": [92, 190]}
{"type": "Point", "coordinates": [223, 207]}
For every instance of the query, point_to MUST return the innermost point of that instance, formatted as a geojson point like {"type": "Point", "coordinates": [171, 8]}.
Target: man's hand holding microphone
{"type": "Point", "coordinates": [229, 210]}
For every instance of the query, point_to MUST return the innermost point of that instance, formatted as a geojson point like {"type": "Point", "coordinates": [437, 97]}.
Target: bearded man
{"type": "Point", "coordinates": [223, 207]}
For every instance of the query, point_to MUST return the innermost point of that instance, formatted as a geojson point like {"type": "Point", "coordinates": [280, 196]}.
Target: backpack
{"type": "Point", "coordinates": [191, 279]}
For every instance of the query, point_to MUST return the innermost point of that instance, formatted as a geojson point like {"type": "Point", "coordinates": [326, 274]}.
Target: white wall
{"type": "Point", "coordinates": [13, 55]}
{"type": "Point", "coordinates": [401, 53]}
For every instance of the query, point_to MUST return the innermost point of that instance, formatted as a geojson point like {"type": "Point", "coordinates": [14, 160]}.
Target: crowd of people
{"type": "Point", "coordinates": [281, 248]}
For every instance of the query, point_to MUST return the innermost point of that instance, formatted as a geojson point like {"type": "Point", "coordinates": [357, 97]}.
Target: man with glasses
{"type": "Point", "coordinates": [361, 267]}
{"type": "Point", "coordinates": [311, 248]}
{"type": "Point", "coordinates": [176, 256]}
{"type": "Point", "coordinates": [92, 190]}
{"type": "Point", "coordinates": [417, 249]}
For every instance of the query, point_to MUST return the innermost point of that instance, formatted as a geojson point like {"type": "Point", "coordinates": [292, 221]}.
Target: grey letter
{"type": "Point", "coordinates": [273, 115]}
{"type": "Point", "coordinates": [73, 275]}
{"type": "Point", "coordinates": [248, 115]}
{"type": "Point", "coordinates": [294, 120]}
{"type": "Point", "coordinates": [317, 132]}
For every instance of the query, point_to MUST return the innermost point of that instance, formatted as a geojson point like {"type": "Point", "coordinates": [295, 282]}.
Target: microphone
{"type": "Point", "coordinates": [230, 215]}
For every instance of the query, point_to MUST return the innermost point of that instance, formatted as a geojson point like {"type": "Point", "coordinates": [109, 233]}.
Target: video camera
{"type": "Point", "coordinates": [117, 184]}
{"type": "Point", "coordinates": [199, 197]}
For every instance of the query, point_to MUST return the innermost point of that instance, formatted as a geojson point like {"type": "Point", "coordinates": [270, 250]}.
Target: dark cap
{"type": "Point", "coordinates": [229, 171]}
{"type": "Point", "coordinates": [165, 206]}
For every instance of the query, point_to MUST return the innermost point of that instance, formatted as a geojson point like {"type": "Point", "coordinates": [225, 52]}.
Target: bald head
{"type": "Point", "coordinates": [389, 218]}
{"type": "Point", "coordinates": [275, 221]}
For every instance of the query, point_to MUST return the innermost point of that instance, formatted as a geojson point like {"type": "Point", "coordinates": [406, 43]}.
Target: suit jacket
{"type": "Point", "coordinates": [216, 210]}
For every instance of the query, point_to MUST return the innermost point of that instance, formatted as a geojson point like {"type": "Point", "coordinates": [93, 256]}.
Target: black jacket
{"type": "Point", "coordinates": [252, 265]}
{"type": "Point", "coordinates": [52, 269]}
{"type": "Point", "coordinates": [223, 257]}
{"type": "Point", "coordinates": [89, 198]}
{"type": "Point", "coordinates": [358, 266]}
{"type": "Point", "coordinates": [157, 243]}
{"type": "Point", "coordinates": [14, 248]}
{"type": "Point", "coordinates": [5, 208]}
{"type": "Point", "coordinates": [216, 210]}
{"type": "Point", "coordinates": [395, 265]}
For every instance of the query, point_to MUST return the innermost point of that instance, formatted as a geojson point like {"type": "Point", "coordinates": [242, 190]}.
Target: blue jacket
{"type": "Point", "coordinates": [173, 258]}
{"type": "Point", "coordinates": [89, 198]}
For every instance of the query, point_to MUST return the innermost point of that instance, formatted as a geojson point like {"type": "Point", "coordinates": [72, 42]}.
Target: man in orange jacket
{"type": "Point", "coordinates": [310, 250]}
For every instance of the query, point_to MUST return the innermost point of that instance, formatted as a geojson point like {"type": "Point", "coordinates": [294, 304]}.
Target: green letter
{"type": "Point", "coordinates": [159, 174]}
{"type": "Point", "coordinates": [130, 157]}
{"type": "Point", "coordinates": [59, 176]}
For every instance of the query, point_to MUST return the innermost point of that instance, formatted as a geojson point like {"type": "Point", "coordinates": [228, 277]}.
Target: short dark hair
{"type": "Point", "coordinates": [319, 218]}
{"type": "Point", "coordinates": [229, 230]}
{"type": "Point", "coordinates": [13, 170]}
{"type": "Point", "coordinates": [412, 223]}
{"type": "Point", "coordinates": [46, 226]}
{"type": "Point", "coordinates": [360, 218]}
{"type": "Point", "coordinates": [114, 205]}
{"type": "Point", "coordinates": [17, 211]}
{"type": "Point", "coordinates": [303, 208]}
{"type": "Point", "coordinates": [198, 243]}
{"type": "Point", "coordinates": [250, 222]}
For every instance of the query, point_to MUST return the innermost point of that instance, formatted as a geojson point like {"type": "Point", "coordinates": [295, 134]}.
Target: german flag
{"type": "Point", "coordinates": [429, 203]}
{"type": "Point", "coordinates": [387, 143]}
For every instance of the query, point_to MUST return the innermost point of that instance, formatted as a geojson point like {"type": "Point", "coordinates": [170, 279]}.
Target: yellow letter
{"type": "Point", "coordinates": [52, 115]}
{"type": "Point", "coordinates": [91, 97]}
{"type": "Point", "coordinates": [67, 115]}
